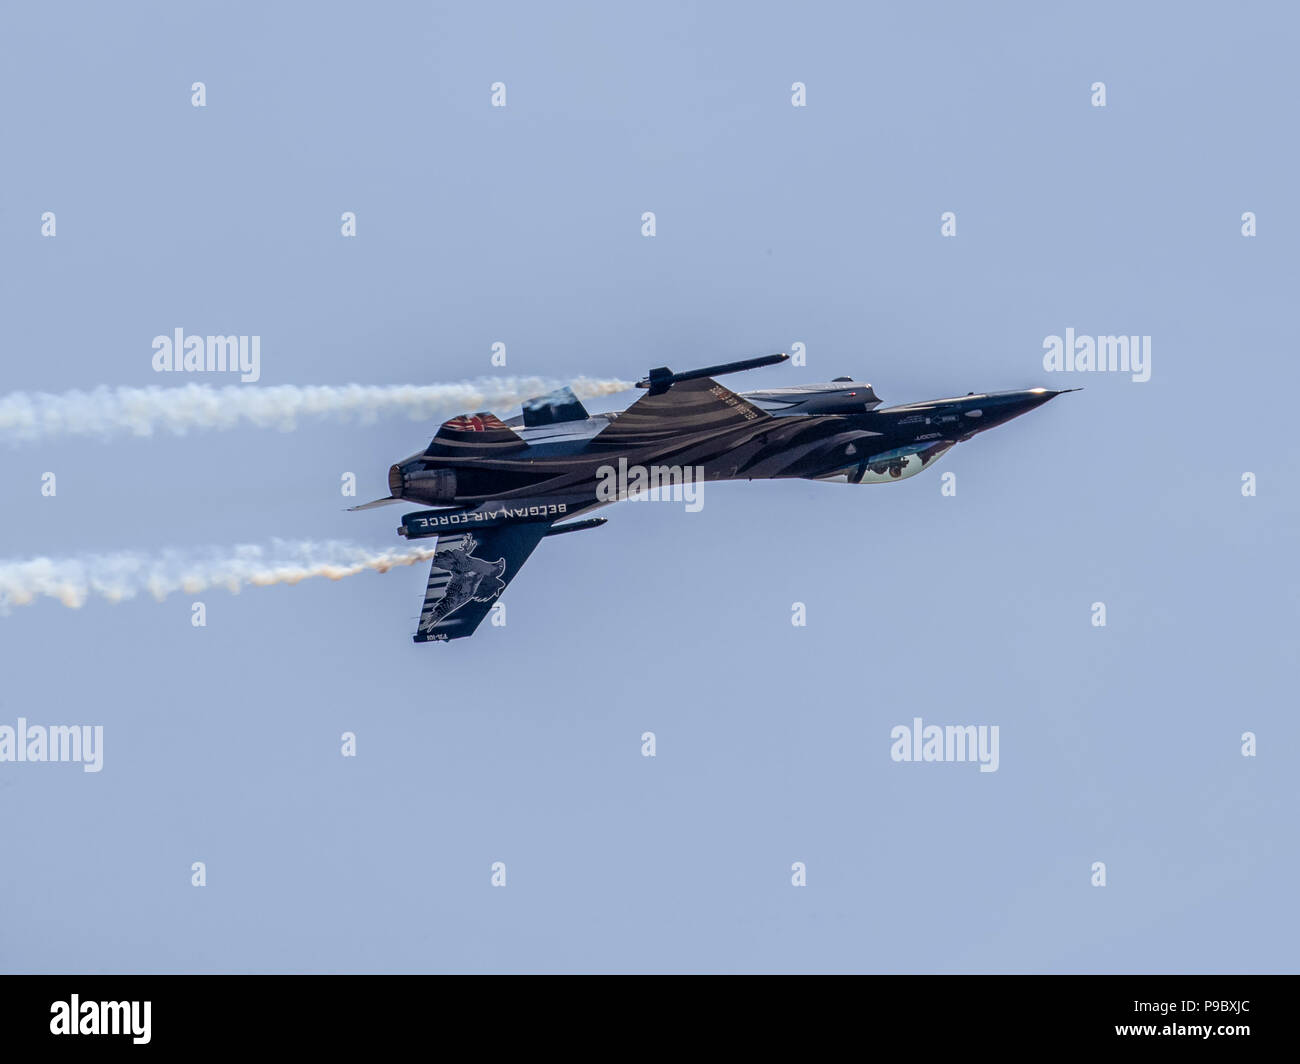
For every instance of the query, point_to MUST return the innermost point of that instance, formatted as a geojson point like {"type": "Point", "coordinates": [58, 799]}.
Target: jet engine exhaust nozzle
{"type": "Point", "coordinates": [426, 486]}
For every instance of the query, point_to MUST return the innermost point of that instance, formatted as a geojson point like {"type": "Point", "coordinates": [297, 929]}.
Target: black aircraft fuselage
{"type": "Point", "coordinates": [502, 486]}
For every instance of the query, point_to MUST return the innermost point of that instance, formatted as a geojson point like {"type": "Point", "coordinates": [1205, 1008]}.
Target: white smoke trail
{"type": "Point", "coordinates": [120, 576]}
{"type": "Point", "coordinates": [142, 411]}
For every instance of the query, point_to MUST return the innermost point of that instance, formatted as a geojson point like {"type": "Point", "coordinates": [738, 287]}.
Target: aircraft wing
{"type": "Point", "coordinates": [468, 574]}
{"type": "Point", "coordinates": [700, 404]}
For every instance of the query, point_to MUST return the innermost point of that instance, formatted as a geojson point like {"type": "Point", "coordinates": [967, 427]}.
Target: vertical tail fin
{"type": "Point", "coordinates": [468, 574]}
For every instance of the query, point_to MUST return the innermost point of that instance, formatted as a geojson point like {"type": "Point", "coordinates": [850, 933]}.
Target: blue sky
{"type": "Point", "coordinates": [775, 225]}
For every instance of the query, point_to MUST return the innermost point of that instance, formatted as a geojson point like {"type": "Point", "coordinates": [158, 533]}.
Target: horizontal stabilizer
{"type": "Point", "coordinates": [374, 505]}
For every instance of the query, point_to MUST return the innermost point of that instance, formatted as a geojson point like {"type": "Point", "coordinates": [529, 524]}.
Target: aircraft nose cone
{"type": "Point", "coordinates": [999, 409]}
{"type": "Point", "coordinates": [1033, 397]}
{"type": "Point", "coordinates": [1041, 395]}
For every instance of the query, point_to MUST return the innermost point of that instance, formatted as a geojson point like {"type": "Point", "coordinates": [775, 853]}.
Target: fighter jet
{"type": "Point", "coordinates": [495, 489]}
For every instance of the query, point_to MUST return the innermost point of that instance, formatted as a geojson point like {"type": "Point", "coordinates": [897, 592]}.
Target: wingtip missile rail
{"type": "Point", "coordinates": [661, 379]}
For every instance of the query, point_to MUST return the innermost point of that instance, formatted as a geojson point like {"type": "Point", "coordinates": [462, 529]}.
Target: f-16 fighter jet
{"type": "Point", "coordinates": [495, 489]}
